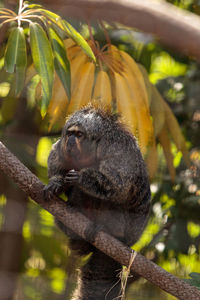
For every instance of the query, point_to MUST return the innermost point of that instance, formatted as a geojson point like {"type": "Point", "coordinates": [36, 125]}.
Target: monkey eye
{"type": "Point", "coordinates": [76, 133]}
{"type": "Point", "coordinates": [69, 133]}
{"type": "Point", "coordinates": [79, 134]}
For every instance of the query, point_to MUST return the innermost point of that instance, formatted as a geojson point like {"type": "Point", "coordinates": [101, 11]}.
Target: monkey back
{"type": "Point", "coordinates": [113, 188]}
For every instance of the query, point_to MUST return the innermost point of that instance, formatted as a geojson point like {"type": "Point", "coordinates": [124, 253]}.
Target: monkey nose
{"type": "Point", "coordinates": [71, 142]}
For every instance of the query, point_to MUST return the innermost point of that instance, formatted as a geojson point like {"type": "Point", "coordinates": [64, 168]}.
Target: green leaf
{"type": "Point", "coordinates": [62, 65]}
{"type": "Point", "coordinates": [21, 62]}
{"type": "Point", "coordinates": [26, 3]}
{"type": "Point", "coordinates": [32, 90]}
{"type": "Point", "coordinates": [52, 16]}
{"type": "Point", "coordinates": [8, 109]}
{"type": "Point", "coordinates": [71, 31]}
{"type": "Point", "coordinates": [195, 275]}
{"type": "Point", "coordinates": [55, 20]}
{"type": "Point", "coordinates": [43, 61]}
{"type": "Point", "coordinates": [195, 281]}
{"type": "Point", "coordinates": [11, 50]}
{"type": "Point", "coordinates": [15, 56]}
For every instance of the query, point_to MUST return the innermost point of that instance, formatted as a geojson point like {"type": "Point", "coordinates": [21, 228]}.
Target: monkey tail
{"type": "Point", "coordinates": [99, 279]}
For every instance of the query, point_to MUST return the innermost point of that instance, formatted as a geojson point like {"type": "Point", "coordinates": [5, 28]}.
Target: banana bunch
{"type": "Point", "coordinates": [132, 101]}
{"type": "Point", "coordinates": [88, 83]}
{"type": "Point", "coordinates": [117, 81]}
{"type": "Point", "coordinates": [119, 84]}
{"type": "Point", "coordinates": [58, 104]}
{"type": "Point", "coordinates": [167, 129]}
{"type": "Point", "coordinates": [165, 125]}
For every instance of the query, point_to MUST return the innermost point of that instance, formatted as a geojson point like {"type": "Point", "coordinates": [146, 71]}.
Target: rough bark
{"type": "Point", "coordinates": [176, 28]}
{"type": "Point", "coordinates": [33, 187]}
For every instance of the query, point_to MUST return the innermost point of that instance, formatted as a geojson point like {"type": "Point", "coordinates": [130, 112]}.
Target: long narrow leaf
{"type": "Point", "coordinates": [11, 50]}
{"type": "Point", "coordinates": [52, 16]}
{"type": "Point", "coordinates": [43, 61]}
{"type": "Point", "coordinates": [21, 61]}
{"type": "Point", "coordinates": [62, 65]}
{"type": "Point", "coordinates": [55, 21]}
{"type": "Point", "coordinates": [71, 31]}
{"type": "Point", "coordinates": [34, 6]}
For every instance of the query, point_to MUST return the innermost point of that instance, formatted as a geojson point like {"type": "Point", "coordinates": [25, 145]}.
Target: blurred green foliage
{"type": "Point", "coordinates": [195, 279]}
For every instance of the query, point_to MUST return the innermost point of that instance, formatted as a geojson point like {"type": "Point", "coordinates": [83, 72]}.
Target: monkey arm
{"type": "Point", "coordinates": [118, 177]}
{"type": "Point", "coordinates": [54, 187]}
{"type": "Point", "coordinates": [56, 173]}
{"type": "Point", "coordinates": [96, 184]}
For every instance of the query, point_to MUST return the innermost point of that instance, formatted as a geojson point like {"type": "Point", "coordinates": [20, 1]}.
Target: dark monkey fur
{"type": "Point", "coordinates": [98, 164]}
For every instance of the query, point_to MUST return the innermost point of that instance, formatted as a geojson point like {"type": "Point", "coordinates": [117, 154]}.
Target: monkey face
{"type": "Point", "coordinates": [78, 151]}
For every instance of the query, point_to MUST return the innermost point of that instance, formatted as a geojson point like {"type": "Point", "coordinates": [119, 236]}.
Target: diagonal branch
{"type": "Point", "coordinates": [174, 27]}
{"type": "Point", "coordinates": [33, 187]}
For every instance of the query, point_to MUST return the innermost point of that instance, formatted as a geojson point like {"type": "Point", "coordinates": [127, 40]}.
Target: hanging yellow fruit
{"type": "Point", "coordinates": [102, 90]}
{"type": "Point", "coordinates": [143, 117]}
{"type": "Point", "coordinates": [121, 85]}
{"type": "Point", "coordinates": [125, 103]}
{"type": "Point", "coordinates": [82, 91]}
{"type": "Point", "coordinates": [75, 65]}
{"type": "Point", "coordinates": [58, 104]}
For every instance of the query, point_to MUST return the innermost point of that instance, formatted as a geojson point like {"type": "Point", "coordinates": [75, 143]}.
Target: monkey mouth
{"type": "Point", "coordinates": [73, 154]}
{"type": "Point", "coordinates": [73, 159]}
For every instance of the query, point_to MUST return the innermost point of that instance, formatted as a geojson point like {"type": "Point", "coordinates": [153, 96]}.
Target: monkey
{"type": "Point", "coordinates": [97, 163]}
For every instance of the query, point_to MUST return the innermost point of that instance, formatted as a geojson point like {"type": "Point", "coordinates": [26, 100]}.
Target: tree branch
{"type": "Point", "coordinates": [174, 27]}
{"type": "Point", "coordinates": [33, 187]}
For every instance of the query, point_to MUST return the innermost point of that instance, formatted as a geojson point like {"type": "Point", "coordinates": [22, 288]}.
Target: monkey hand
{"type": "Point", "coordinates": [72, 177]}
{"type": "Point", "coordinates": [53, 188]}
